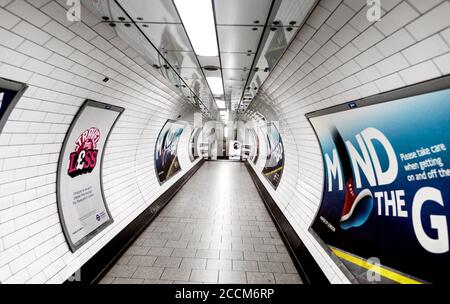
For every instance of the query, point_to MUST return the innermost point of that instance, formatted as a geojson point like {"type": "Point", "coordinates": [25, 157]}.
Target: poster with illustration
{"type": "Point", "coordinates": [273, 169]}
{"type": "Point", "coordinates": [193, 149]}
{"type": "Point", "coordinates": [386, 193]}
{"type": "Point", "coordinates": [82, 206]}
{"type": "Point", "coordinates": [166, 150]}
{"type": "Point", "coordinates": [255, 146]}
{"type": "Point", "coordinates": [10, 93]}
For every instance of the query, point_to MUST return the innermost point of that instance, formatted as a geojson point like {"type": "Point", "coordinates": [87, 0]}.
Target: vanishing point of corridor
{"type": "Point", "coordinates": [215, 230]}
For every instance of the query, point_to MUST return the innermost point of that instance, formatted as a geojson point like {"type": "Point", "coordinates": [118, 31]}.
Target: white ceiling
{"type": "Point", "coordinates": [245, 40]}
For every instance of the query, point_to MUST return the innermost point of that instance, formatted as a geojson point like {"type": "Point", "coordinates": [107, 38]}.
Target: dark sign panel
{"type": "Point", "coordinates": [81, 203]}
{"type": "Point", "coordinates": [273, 169]}
{"type": "Point", "coordinates": [387, 179]}
{"type": "Point", "coordinates": [166, 150]}
{"type": "Point", "coordinates": [10, 93]}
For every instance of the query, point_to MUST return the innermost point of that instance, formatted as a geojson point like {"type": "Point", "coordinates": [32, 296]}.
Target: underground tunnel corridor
{"type": "Point", "coordinates": [244, 142]}
{"type": "Point", "coordinates": [215, 230]}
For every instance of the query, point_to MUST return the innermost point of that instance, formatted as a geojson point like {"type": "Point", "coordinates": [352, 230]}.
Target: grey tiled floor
{"type": "Point", "coordinates": [215, 230]}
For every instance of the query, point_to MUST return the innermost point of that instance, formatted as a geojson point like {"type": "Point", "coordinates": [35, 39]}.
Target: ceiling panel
{"type": "Point", "coordinates": [275, 46]}
{"type": "Point", "coordinates": [191, 73]}
{"type": "Point", "coordinates": [293, 11]}
{"type": "Point", "coordinates": [161, 11]}
{"type": "Point", "coordinates": [236, 61]}
{"type": "Point", "coordinates": [209, 61]}
{"type": "Point", "coordinates": [171, 37]}
{"type": "Point", "coordinates": [238, 38]}
{"type": "Point", "coordinates": [179, 60]}
{"type": "Point", "coordinates": [235, 74]}
{"type": "Point", "coordinates": [242, 11]}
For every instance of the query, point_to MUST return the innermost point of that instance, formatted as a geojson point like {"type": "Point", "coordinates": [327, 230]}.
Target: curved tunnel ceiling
{"type": "Point", "coordinates": [252, 35]}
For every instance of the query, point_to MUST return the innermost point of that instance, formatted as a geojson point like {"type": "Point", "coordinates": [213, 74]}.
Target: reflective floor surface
{"type": "Point", "coordinates": [215, 230]}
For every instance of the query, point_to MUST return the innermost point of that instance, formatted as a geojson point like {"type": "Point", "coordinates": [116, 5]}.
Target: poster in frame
{"type": "Point", "coordinates": [274, 166]}
{"type": "Point", "coordinates": [193, 141]}
{"type": "Point", "coordinates": [166, 159]}
{"type": "Point", "coordinates": [81, 202]}
{"type": "Point", "coordinates": [10, 93]}
{"type": "Point", "coordinates": [255, 146]}
{"type": "Point", "coordinates": [386, 182]}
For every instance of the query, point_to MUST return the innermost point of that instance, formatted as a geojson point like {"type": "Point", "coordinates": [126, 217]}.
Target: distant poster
{"type": "Point", "coordinates": [386, 189]}
{"type": "Point", "coordinates": [193, 150]}
{"type": "Point", "coordinates": [10, 93]}
{"type": "Point", "coordinates": [166, 150]}
{"type": "Point", "coordinates": [234, 150]}
{"type": "Point", "coordinates": [255, 147]}
{"type": "Point", "coordinates": [273, 169]}
{"type": "Point", "coordinates": [81, 202]}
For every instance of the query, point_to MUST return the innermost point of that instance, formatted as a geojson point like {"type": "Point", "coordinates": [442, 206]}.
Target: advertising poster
{"type": "Point", "coordinates": [235, 150]}
{"type": "Point", "coordinates": [386, 190]}
{"type": "Point", "coordinates": [10, 93]}
{"type": "Point", "coordinates": [273, 169]}
{"type": "Point", "coordinates": [81, 202]}
{"type": "Point", "coordinates": [166, 150]}
{"type": "Point", "coordinates": [255, 147]}
{"type": "Point", "coordinates": [193, 150]}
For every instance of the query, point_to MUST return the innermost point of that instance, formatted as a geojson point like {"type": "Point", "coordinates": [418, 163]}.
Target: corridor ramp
{"type": "Point", "coordinates": [215, 230]}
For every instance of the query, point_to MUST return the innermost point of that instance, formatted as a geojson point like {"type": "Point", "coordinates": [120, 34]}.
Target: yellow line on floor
{"type": "Point", "coordinates": [394, 276]}
{"type": "Point", "coordinates": [274, 171]}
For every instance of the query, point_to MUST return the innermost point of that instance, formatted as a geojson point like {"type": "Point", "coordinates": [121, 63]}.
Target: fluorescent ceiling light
{"type": "Point", "coordinates": [198, 19]}
{"type": "Point", "coordinates": [215, 83]}
{"type": "Point", "coordinates": [224, 115]}
{"type": "Point", "coordinates": [220, 103]}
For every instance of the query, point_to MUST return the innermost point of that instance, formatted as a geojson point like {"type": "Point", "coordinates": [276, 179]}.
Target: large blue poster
{"type": "Point", "coordinates": [387, 184]}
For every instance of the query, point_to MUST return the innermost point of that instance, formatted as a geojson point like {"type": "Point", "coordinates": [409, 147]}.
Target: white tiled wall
{"type": "Point", "coordinates": [339, 56]}
{"type": "Point", "coordinates": [64, 63]}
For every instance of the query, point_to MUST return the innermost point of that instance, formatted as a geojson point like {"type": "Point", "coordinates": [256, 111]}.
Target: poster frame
{"type": "Point", "coordinates": [271, 124]}
{"type": "Point", "coordinates": [193, 140]}
{"type": "Point", "coordinates": [257, 146]}
{"type": "Point", "coordinates": [156, 143]}
{"type": "Point", "coordinates": [87, 103]}
{"type": "Point", "coordinates": [15, 86]}
{"type": "Point", "coordinates": [425, 87]}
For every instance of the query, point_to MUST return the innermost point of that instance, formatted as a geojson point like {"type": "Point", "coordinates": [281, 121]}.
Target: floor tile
{"type": "Point", "coordinates": [260, 278]}
{"type": "Point", "coordinates": [212, 231]}
{"type": "Point", "coordinates": [175, 274]}
{"type": "Point", "coordinates": [206, 276]}
{"type": "Point", "coordinates": [232, 277]}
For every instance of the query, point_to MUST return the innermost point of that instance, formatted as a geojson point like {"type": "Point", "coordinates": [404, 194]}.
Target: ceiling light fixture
{"type": "Point", "coordinates": [198, 19]}
{"type": "Point", "coordinates": [215, 84]}
{"type": "Point", "coordinates": [220, 103]}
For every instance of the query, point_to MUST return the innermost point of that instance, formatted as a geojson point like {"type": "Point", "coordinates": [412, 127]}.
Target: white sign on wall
{"type": "Point", "coordinates": [81, 203]}
{"type": "Point", "coordinates": [235, 150]}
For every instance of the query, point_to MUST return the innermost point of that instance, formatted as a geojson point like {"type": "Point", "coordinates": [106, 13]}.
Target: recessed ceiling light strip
{"type": "Point", "coordinates": [220, 57]}
{"type": "Point", "coordinates": [162, 56]}
{"type": "Point", "coordinates": [189, 38]}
